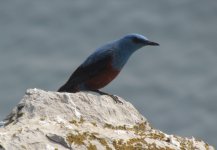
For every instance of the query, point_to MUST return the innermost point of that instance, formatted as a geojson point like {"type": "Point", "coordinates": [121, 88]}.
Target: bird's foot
{"type": "Point", "coordinates": [115, 98]}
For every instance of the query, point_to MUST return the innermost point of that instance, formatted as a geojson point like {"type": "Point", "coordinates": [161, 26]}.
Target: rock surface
{"type": "Point", "coordinates": [85, 121]}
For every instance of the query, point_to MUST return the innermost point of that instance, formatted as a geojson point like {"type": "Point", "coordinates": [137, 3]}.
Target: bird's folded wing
{"type": "Point", "coordinates": [94, 65]}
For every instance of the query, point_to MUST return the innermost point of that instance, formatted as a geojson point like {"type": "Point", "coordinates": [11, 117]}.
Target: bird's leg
{"type": "Point", "coordinates": [115, 98]}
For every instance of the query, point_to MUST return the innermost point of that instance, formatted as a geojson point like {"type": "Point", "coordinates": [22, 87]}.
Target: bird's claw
{"type": "Point", "coordinates": [116, 99]}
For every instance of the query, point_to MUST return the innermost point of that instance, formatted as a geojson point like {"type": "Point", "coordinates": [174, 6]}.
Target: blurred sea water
{"type": "Point", "coordinates": [174, 86]}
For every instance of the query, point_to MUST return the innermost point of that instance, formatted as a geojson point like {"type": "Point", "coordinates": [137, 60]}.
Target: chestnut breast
{"type": "Point", "coordinates": [102, 78]}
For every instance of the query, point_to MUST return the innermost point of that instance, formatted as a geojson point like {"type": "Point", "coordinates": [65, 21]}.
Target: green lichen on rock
{"type": "Point", "coordinates": [77, 139]}
{"type": "Point", "coordinates": [42, 118]}
{"type": "Point", "coordinates": [102, 141]}
{"type": "Point", "coordinates": [130, 144]}
{"type": "Point", "coordinates": [110, 126]}
{"type": "Point", "coordinates": [81, 121]}
{"type": "Point", "coordinates": [74, 122]}
{"type": "Point", "coordinates": [20, 114]}
{"type": "Point", "coordinates": [136, 144]}
{"type": "Point", "coordinates": [23, 147]}
{"type": "Point", "coordinates": [140, 127]}
{"type": "Point", "coordinates": [186, 145]}
{"type": "Point", "coordinates": [80, 138]}
{"type": "Point", "coordinates": [157, 136]}
{"type": "Point", "coordinates": [94, 124]}
{"type": "Point", "coordinates": [189, 144]}
{"type": "Point", "coordinates": [91, 147]}
{"type": "Point", "coordinates": [77, 122]}
{"type": "Point", "coordinates": [207, 146]}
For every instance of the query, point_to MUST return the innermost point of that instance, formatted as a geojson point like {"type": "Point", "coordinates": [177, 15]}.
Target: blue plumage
{"type": "Point", "coordinates": [102, 66]}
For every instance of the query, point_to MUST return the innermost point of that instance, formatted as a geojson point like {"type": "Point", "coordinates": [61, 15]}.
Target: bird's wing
{"type": "Point", "coordinates": [94, 64]}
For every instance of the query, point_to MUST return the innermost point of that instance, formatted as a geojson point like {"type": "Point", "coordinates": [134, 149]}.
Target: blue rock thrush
{"type": "Point", "coordinates": [102, 66]}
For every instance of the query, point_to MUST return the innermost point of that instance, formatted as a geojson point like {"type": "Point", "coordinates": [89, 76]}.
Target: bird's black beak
{"type": "Point", "coordinates": [152, 43]}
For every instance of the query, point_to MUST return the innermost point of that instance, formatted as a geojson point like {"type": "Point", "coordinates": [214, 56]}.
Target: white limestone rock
{"type": "Point", "coordinates": [85, 121]}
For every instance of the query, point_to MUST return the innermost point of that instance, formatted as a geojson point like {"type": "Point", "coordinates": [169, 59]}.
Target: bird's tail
{"type": "Point", "coordinates": [68, 88]}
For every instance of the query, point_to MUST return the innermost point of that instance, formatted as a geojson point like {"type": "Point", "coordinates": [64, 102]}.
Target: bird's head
{"type": "Point", "coordinates": [133, 42]}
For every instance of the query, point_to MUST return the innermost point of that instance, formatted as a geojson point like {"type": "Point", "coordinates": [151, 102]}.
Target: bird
{"type": "Point", "coordinates": [104, 64]}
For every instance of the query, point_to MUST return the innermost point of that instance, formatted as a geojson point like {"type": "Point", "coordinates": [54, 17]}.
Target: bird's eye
{"type": "Point", "coordinates": [137, 40]}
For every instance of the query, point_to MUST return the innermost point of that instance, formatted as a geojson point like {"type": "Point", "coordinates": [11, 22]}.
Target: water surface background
{"type": "Point", "coordinates": [174, 86]}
